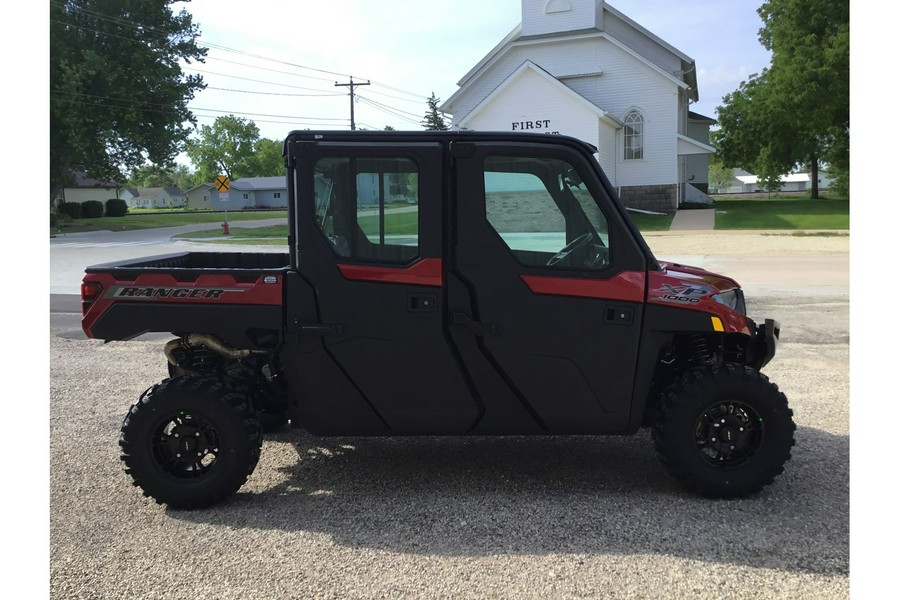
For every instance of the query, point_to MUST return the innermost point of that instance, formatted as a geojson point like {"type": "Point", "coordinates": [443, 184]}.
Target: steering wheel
{"type": "Point", "coordinates": [577, 244]}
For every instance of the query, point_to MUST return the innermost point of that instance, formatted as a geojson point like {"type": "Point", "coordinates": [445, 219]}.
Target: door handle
{"type": "Point", "coordinates": [619, 315]}
{"type": "Point", "coordinates": [421, 302]}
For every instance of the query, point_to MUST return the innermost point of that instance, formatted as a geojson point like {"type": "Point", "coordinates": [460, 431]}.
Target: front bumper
{"type": "Point", "coordinates": [765, 341]}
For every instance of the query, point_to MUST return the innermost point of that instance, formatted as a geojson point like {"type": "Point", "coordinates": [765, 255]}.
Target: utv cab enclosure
{"type": "Point", "coordinates": [442, 283]}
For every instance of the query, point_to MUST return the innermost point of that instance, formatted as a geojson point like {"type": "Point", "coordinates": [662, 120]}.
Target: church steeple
{"type": "Point", "coordinates": [555, 16]}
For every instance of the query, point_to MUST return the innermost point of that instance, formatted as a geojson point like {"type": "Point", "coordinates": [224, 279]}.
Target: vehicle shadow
{"type": "Point", "coordinates": [516, 495]}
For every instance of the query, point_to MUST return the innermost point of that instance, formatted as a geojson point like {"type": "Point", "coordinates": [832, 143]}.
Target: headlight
{"type": "Point", "coordinates": [733, 299]}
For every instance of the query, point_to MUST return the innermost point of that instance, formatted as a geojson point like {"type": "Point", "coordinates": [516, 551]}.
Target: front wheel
{"type": "Point", "coordinates": [190, 441]}
{"type": "Point", "coordinates": [724, 431]}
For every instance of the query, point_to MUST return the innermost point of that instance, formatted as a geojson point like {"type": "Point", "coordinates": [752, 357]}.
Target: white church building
{"type": "Point", "coordinates": [584, 69]}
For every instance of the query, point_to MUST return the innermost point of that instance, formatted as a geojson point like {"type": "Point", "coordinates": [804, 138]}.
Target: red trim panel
{"type": "Point", "coordinates": [166, 288]}
{"type": "Point", "coordinates": [428, 271]}
{"type": "Point", "coordinates": [627, 286]}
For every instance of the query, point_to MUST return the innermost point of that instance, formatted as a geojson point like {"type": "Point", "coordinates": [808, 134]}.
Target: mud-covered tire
{"type": "Point", "coordinates": [724, 431]}
{"type": "Point", "coordinates": [190, 442]}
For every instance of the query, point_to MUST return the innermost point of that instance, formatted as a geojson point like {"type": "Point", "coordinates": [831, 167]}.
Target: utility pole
{"type": "Point", "coordinates": [352, 85]}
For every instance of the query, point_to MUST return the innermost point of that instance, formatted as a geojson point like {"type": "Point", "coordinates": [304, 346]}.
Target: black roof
{"type": "Point", "coordinates": [435, 136]}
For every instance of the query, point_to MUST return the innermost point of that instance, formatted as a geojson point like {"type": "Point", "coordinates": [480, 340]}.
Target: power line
{"type": "Point", "coordinates": [322, 95]}
{"type": "Point", "coordinates": [370, 101]}
{"type": "Point", "coordinates": [234, 62]}
{"type": "Point", "coordinates": [109, 102]}
{"type": "Point", "coordinates": [287, 85]}
{"type": "Point", "coordinates": [393, 111]}
{"type": "Point", "coordinates": [389, 111]}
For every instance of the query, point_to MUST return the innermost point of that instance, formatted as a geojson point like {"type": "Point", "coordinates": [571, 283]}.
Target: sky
{"type": "Point", "coordinates": [278, 63]}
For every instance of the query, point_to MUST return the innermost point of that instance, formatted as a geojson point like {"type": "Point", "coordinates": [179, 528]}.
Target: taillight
{"type": "Point", "coordinates": [89, 293]}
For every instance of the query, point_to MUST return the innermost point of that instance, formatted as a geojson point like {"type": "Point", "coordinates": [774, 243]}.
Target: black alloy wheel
{"type": "Point", "coordinates": [729, 433]}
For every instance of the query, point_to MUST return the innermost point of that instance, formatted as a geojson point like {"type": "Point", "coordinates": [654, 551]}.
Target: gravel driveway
{"type": "Point", "coordinates": [559, 517]}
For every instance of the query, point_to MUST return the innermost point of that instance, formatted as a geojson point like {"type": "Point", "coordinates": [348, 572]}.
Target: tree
{"type": "Point", "coordinates": [118, 96]}
{"type": "Point", "coordinates": [267, 161]}
{"type": "Point", "coordinates": [433, 120]}
{"type": "Point", "coordinates": [228, 147]}
{"type": "Point", "coordinates": [796, 112]}
{"type": "Point", "coordinates": [149, 176]}
{"type": "Point", "coordinates": [720, 176]}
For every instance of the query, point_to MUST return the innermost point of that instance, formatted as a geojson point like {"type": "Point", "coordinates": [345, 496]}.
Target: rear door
{"type": "Point", "coordinates": [369, 223]}
{"type": "Point", "coordinates": [547, 286]}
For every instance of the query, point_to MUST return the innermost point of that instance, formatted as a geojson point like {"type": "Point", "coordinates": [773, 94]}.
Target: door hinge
{"type": "Point", "coordinates": [477, 327]}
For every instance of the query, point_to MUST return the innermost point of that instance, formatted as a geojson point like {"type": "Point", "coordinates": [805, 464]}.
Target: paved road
{"type": "Point", "coordinates": [560, 517]}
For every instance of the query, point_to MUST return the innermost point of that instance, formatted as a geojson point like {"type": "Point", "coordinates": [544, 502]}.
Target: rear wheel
{"type": "Point", "coordinates": [190, 441]}
{"type": "Point", "coordinates": [724, 431]}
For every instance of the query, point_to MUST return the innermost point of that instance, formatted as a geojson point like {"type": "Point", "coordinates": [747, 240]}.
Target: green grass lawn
{"type": "Point", "coordinates": [400, 223]}
{"type": "Point", "coordinates": [731, 213]}
{"type": "Point", "coordinates": [651, 222]}
{"type": "Point", "coordinates": [403, 223]}
{"type": "Point", "coordinates": [782, 213]}
{"type": "Point", "coordinates": [152, 220]}
{"type": "Point", "coordinates": [270, 232]}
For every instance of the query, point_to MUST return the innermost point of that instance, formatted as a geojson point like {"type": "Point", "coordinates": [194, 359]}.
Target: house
{"type": "Point", "coordinates": [582, 68]}
{"type": "Point", "coordinates": [157, 197]}
{"type": "Point", "coordinates": [744, 183]}
{"type": "Point", "coordinates": [84, 188]}
{"type": "Point", "coordinates": [253, 192]}
{"type": "Point", "coordinates": [200, 196]}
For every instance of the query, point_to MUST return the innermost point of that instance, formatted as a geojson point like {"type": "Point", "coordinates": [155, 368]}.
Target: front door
{"type": "Point", "coordinates": [546, 289]}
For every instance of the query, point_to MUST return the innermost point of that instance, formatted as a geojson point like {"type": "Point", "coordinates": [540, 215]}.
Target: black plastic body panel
{"type": "Point", "coordinates": [240, 326]}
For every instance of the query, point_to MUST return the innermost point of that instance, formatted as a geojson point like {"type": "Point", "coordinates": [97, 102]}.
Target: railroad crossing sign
{"type": "Point", "coordinates": [222, 183]}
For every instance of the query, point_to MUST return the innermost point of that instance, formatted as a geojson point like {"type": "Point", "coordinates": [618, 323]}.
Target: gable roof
{"type": "Point", "coordinates": [81, 180]}
{"type": "Point", "coordinates": [154, 192]}
{"type": "Point", "coordinates": [551, 80]}
{"type": "Point", "coordinates": [700, 118]}
{"type": "Point", "coordinates": [686, 78]}
{"type": "Point", "coordinates": [197, 187]}
{"type": "Point", "coordinates": [260, 183]}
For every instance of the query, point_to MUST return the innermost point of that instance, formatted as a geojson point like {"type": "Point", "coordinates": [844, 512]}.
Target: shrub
{"type": "Point", "coordinates": [91, 209]}
{"type": "Point", "coordinates": [53, 219]}
{"type": "Point", "coordinates": [116, 207]}
{"type": "Point", "coordinates": [70, 209]}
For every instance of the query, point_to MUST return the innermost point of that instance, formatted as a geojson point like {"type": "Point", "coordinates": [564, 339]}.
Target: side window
{"type": "Point", "coordinates": [544, 213]}
{"type": "Point", "coordinates": [634, 135]}
{"type": "Point", "coordinates": [368, 208]}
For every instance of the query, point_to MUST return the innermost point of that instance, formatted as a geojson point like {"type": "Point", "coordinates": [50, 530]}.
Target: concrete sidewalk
{"type": "Point", "coordinates": [702, 219]}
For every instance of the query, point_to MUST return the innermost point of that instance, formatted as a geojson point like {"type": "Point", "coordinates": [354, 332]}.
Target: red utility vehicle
{"type": "Point", "coordinates": [442, 283]}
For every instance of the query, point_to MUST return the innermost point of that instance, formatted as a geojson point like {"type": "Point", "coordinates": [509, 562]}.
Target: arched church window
{"type": "Point", "coordinates": [634, 135]}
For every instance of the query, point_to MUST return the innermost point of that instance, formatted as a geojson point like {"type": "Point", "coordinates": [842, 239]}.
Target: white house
{"type": "Point", "coordinates": [582, 68]}
{"type": "Point", "coordinates": [83, 188]}
{"type": "Point", "coordinates": [259, 192]}
{"type": "Point", "coordinates": [158, 197]}
{"type": "Point", "coordinates": [744, 182]}
{"type": "Point", "coordinates": [200, 196]}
